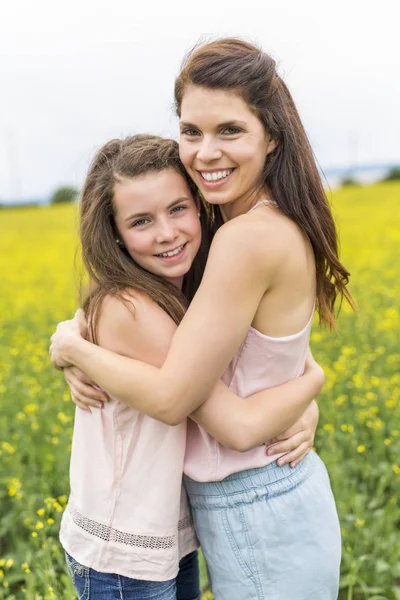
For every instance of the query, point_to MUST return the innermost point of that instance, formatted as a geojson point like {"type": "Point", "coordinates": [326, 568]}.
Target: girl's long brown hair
{"type": "Point", "coordinates": [110, 268]}
{"type": "Point", "coordinates": [290, 171]}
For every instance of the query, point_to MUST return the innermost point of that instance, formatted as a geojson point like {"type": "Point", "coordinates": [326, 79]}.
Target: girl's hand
{"type": "Point", "coordinates": [84, 392]}
{"type": "Point", "coordinates": [66, 334]}
{"type": "Point", "coordinates": [298, 440]}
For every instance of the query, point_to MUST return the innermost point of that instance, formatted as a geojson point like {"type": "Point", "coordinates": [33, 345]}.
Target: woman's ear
{"type": "Point", "coordinates": [272, 144]}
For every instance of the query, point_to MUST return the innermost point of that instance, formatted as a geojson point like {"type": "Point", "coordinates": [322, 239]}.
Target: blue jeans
{"type": "Point", "coordinates": [93, 585]}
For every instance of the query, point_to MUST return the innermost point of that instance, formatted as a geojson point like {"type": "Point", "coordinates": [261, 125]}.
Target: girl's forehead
{"type": "Point", "coordinates": [152, 191]}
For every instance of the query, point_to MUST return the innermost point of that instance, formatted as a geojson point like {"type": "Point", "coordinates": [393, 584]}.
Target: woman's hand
{"type": "Point", "coordinates": [66, 334]}
{"type": "Point", "coordinates": [314, 369]}
{"type": "Point", "coordinates": [84, 392]}
{"type": "Point", "coordinates": [297, 441]}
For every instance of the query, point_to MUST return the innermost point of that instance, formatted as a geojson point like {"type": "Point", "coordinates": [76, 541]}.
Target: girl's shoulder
{"type": "Point", "coordinates": [130, 321]}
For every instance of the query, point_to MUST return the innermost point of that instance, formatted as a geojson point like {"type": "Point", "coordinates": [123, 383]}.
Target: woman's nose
{"type": "Point", "coordinates": [209, 150]}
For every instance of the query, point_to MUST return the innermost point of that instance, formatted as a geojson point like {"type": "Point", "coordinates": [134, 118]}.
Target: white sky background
{"type": "Point", "coordinates": [74, 74]}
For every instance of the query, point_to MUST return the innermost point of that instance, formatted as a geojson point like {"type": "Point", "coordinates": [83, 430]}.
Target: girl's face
{"type": "Point", "coordinates": [158, 222]}
{"type": "Point", "coordinates": [223, 146]}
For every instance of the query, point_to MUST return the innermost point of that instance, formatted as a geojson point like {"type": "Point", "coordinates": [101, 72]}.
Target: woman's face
{"type": "Point", "coordinates": [223, 146]}
{"type": "Point", "coordinates": [158, 223]}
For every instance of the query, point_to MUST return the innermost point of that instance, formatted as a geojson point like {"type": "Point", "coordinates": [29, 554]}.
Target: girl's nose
{"type": "Point", "coordinates": [166, 231]}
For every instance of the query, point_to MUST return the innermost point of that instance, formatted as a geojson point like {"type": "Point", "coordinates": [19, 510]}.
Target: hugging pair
{"type": "Point", "coordinates": [206, 262]}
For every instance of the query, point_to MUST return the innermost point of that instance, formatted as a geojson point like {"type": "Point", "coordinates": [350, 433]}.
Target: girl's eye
{"type": "Point", "coordinates": [178, 208]}
{"type": "Point", "coordinates": [190, 132]}
{"type": "Point", "coordinates": [231, 130]}
{"type": "Point", "coordinates": [139, 222]}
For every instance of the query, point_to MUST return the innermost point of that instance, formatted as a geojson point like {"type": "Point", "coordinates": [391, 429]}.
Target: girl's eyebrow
{"type": "Point", "coordinates": [146, 214]}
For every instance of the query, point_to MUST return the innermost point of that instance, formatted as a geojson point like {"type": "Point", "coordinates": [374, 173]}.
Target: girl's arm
{"type": "Point", "coordinates": [238, 273]}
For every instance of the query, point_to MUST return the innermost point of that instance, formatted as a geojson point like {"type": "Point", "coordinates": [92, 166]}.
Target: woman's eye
{"type": "Point", "coordinates": [139, 222]}
{"type": "Point", "coordinates": [190, 132]}
{"type": "Point", "coordinates": [231, 130]}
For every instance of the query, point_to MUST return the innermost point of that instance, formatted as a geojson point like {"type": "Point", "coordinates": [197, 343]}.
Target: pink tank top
{"type": "Point", "coordinates": [127, 512]}
{"type": "Point", "coordinates": [261, 362]}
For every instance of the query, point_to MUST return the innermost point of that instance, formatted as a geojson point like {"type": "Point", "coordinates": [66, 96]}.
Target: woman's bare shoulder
{"type": "Point", "coordinates": [266, 236]}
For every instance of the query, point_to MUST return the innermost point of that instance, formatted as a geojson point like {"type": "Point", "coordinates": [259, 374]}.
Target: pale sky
{"type": "Point", "coordinates": [75, 74]}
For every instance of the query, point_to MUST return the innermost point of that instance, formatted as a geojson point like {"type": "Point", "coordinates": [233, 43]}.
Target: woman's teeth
{"type": "Point", "coordinates": [216, 175]}
{"type": "Point", "coordinates": [172, 253]}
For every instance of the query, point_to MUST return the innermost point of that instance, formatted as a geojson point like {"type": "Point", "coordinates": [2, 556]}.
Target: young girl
{"type": "Point", "coordinates": [127, 523]}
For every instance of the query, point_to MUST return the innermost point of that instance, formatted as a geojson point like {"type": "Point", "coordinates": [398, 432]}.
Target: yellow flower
{"type": "Point", "coordinates": [348, 428]}
{"type": "Point", "coordinates": [396, 469]}
{"type": "Point", "coordinates": [349, 350]}
{"type": "Point", "coordinates": [341, 399]}
{"type": "Point", "coordinates": [8, 448]}
{"type": "Point", "coordinates": [63, 418]}
{"type": "Point", "coordinates": [329, 428]}
{"type": "Point", "coordinates": [14, 488]}
{"type": "Point", "coordinates": [361, 448]}
{"type": "Point", "coordinates": [360, 522]}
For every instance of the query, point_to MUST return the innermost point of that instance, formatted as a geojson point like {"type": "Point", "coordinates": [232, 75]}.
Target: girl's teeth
{"type": "Point", "coordinates": [172, 253]}
{"type": "Point", "coordinates": [217, 175]}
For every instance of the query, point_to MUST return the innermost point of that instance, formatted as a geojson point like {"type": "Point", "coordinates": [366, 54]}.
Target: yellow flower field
{"type": "Point", "coordinates": [359, 432]}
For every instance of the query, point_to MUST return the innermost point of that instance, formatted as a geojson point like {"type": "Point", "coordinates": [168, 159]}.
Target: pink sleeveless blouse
{"type": "Point", "coordinates": [260, 363]}
{"type": "Point", "coordinates": [127, 511]}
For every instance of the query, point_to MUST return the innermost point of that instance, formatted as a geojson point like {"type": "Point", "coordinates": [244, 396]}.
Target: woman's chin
{"type": "Point", "coordinates": [216, 197]}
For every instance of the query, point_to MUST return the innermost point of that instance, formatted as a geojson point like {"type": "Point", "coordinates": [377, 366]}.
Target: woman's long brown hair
{"type": "Point", "coordinates": [111, 269]}
{"type": "Point", "coordinates": [290, 171]}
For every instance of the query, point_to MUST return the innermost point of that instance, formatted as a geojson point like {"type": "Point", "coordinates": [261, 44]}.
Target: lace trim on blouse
{"type": "Point", "coordinates": [109, 534]}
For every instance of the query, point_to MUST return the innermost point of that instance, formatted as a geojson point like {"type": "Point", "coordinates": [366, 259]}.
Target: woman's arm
{"type": "Point", "coordinates": [243, 423]}
{"type": "Point", "coordinates": [283, 414]}
{"type": "Point", "coordinates": [237, 275]}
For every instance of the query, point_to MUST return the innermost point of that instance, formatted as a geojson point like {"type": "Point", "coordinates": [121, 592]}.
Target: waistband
{"type": "Point", "coordinates": [250, 485]}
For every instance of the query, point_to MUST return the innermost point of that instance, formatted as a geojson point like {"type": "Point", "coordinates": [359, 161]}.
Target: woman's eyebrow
{"type": "Point", "coordinates": [185, 124]}
{"type": "Point", "coordinates": [230, 123]}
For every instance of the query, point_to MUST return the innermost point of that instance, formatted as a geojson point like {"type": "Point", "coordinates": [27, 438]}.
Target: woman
{"type": "Point", "coordinates": [265, 531]}
{"type": "Point", "coordinates": [127, 524]}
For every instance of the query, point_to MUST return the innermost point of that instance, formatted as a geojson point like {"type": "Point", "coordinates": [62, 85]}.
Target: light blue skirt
{"type": "Point", "coordinates": [269, 534]}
